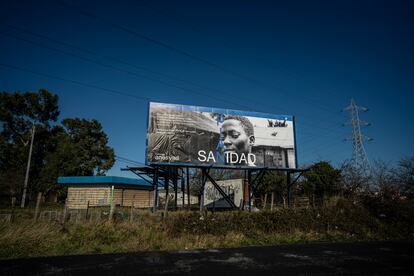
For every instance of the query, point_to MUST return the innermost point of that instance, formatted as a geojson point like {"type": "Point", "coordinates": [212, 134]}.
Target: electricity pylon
{"type": "Point", "coordinates": [359, 156]}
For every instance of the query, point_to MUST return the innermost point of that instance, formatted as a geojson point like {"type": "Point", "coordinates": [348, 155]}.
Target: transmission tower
{"type": "Point", "coordinates": [359, 156]}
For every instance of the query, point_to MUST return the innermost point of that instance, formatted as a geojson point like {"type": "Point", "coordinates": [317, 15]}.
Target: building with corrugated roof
{"type": "Point", "coordinates": [94, 191]}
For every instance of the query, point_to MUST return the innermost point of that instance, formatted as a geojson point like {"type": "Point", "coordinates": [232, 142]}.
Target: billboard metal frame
{"type": "Point", "coordinates": [165, 170]}
{"type": "Point", "coordinates": [171, 172]}
{"type": "Point", "coordinates": [190, 165]}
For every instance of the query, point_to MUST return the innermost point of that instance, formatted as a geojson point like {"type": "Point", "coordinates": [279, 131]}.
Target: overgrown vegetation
{"type": "Point", "coordinates": [368, 218]}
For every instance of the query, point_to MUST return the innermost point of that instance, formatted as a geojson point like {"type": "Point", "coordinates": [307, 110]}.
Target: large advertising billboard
{"type": "Point", "coordinates": [194, 136]}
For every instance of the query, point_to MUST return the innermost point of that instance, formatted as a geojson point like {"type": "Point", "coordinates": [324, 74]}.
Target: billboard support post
{"type": "Point", "coordinates": [290, 184]}
{"type": "Point", "coordinates": [155, 184]}
{"type": "Point", "coordinates": [166, 184]}
{"type": "Point", "coordinates": [188, 187]}
{"type": "Point", "coordinates": [245, 191]}
{"type": "Point", "coordinates": [254, 183]}
{"type": "Point", "coordinates": [289, 189]}
{"type": "Point", "coordinates": [175, 182]}
{"type": "Point", "coordinates": [156, 172]}
{"type": "Point", "coordinates": [249, 186]}
{"type": "Point", "coordinates": [203, 182]}
{"type": "Point", "coordinates": [201, 192]}
{"type": "Point", "coordinates": [183, 187]}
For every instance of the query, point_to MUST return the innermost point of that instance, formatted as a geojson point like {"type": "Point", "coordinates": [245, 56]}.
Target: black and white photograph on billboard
{"type": "Point", "coordinates": [193, 135]}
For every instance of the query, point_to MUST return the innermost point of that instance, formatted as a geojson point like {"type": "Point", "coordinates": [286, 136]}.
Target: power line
{"type": "Point", "coordinates": [112, 91]}
{"type": "Point", "coordinates": [135, 74]}
{"type": "Point", "coordinates": [319, 146]}
{"type": "Point", "coordinates": [166, 46]}
{"type": "Point", "coordinates": [331, 129]}
{"type": "Point", "coordinates": [175, 78]}
{"type": "Point", "coordinates": [325, 153]}
{"type": "Point", "coordinates": [214, 38]}
{"type": "Point", "coordinates": [118, 69]}
{"type": "Point", "coordinates": [129, 161]}
{"type": "Point", "coordinates": [154, 41]}
{"type": "Point", "coordinates": [122, 70]}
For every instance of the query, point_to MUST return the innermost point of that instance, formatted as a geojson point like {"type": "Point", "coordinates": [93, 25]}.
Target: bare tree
{"type": "Point", "coordinates": [404, 175]}
{"type": "Point", "coordinates": [354, 180]}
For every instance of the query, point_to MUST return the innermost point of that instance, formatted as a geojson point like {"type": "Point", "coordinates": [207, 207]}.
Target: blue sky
{"type": "Point", "coordinates": [106, 59]}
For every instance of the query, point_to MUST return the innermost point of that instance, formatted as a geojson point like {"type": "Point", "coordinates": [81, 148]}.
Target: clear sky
{"type": "Point", "coordinates": [106, 59]}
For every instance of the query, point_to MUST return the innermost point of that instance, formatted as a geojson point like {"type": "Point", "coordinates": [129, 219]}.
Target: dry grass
{"type": "Point", "coordinates": [51, 239]}
{"type": "Point", "coordinates": [187, 230]}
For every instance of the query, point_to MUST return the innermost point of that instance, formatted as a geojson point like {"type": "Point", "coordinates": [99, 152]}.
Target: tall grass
{"type": "Point", "coordinates": [188, 230]}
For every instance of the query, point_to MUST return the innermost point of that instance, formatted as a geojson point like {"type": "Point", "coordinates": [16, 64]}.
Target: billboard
{"type": "Point", "coordinates": [194, 136]}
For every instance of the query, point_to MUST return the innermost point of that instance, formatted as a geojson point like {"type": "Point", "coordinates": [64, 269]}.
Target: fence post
{"type": "Point", "coordinates": [112, 210]}
{"type": "Point", "coordinates": [87, 211]}
{"type": "Point", "coordinates": [131, 215]}
{"type": "Point", "coordinates": [65, 210]}
{"type": "Point", "coordinates": [271, 201]}
{"type": "Point", "coordinates": [167, 199]}
{"type": "Point", "coordinates": [13, 203]}
{"type": "Point", "coordinates": [39, 198]}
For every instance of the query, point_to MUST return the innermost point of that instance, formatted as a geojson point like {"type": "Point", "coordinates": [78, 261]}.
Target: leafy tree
{"type": "Point", "coordinates": [61, 161]}
{"type": "Point", "coordinates": [81, 150]}
{"type": "Point", "coordinates": [78, 147]}
{"type": "Point", "coordinates": [272, 182]}
{"type": "Point", "coordinates": [19, 112]}
{"type": "Point", "coordinates": [90, 141]}
{"type": "Point", "coordinates": [322, 179]}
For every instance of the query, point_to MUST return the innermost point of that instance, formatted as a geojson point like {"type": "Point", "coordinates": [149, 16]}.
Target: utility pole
{"type": "Point", "coordinates": [359, 156]}
{"type": "Point", "coordinates": [26, 179]}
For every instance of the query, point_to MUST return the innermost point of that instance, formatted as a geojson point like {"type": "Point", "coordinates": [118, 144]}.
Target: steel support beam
{"type": "Point", "coordinates": [249, 187]}
{"type": "Point", "coordinates": [257, 180]}
{"type": "Point", "coordinates": [289, 186]}
{"type": "Point", "coordinates": [222, 193]}
{"type": "Point", "coordinates": [188, 187]}
{"type": "Point", "coordinates": [183, 187]}
{"type": "Point", "coordinates": [155, 185]}
{"type": "Point", "coordinates": [203, 183]}
{"type": "Point", "coordinates": [175, 184]}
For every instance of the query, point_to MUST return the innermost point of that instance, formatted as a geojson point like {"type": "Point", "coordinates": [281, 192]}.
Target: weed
{"type": "Point", "coordinates": [183, 230]}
